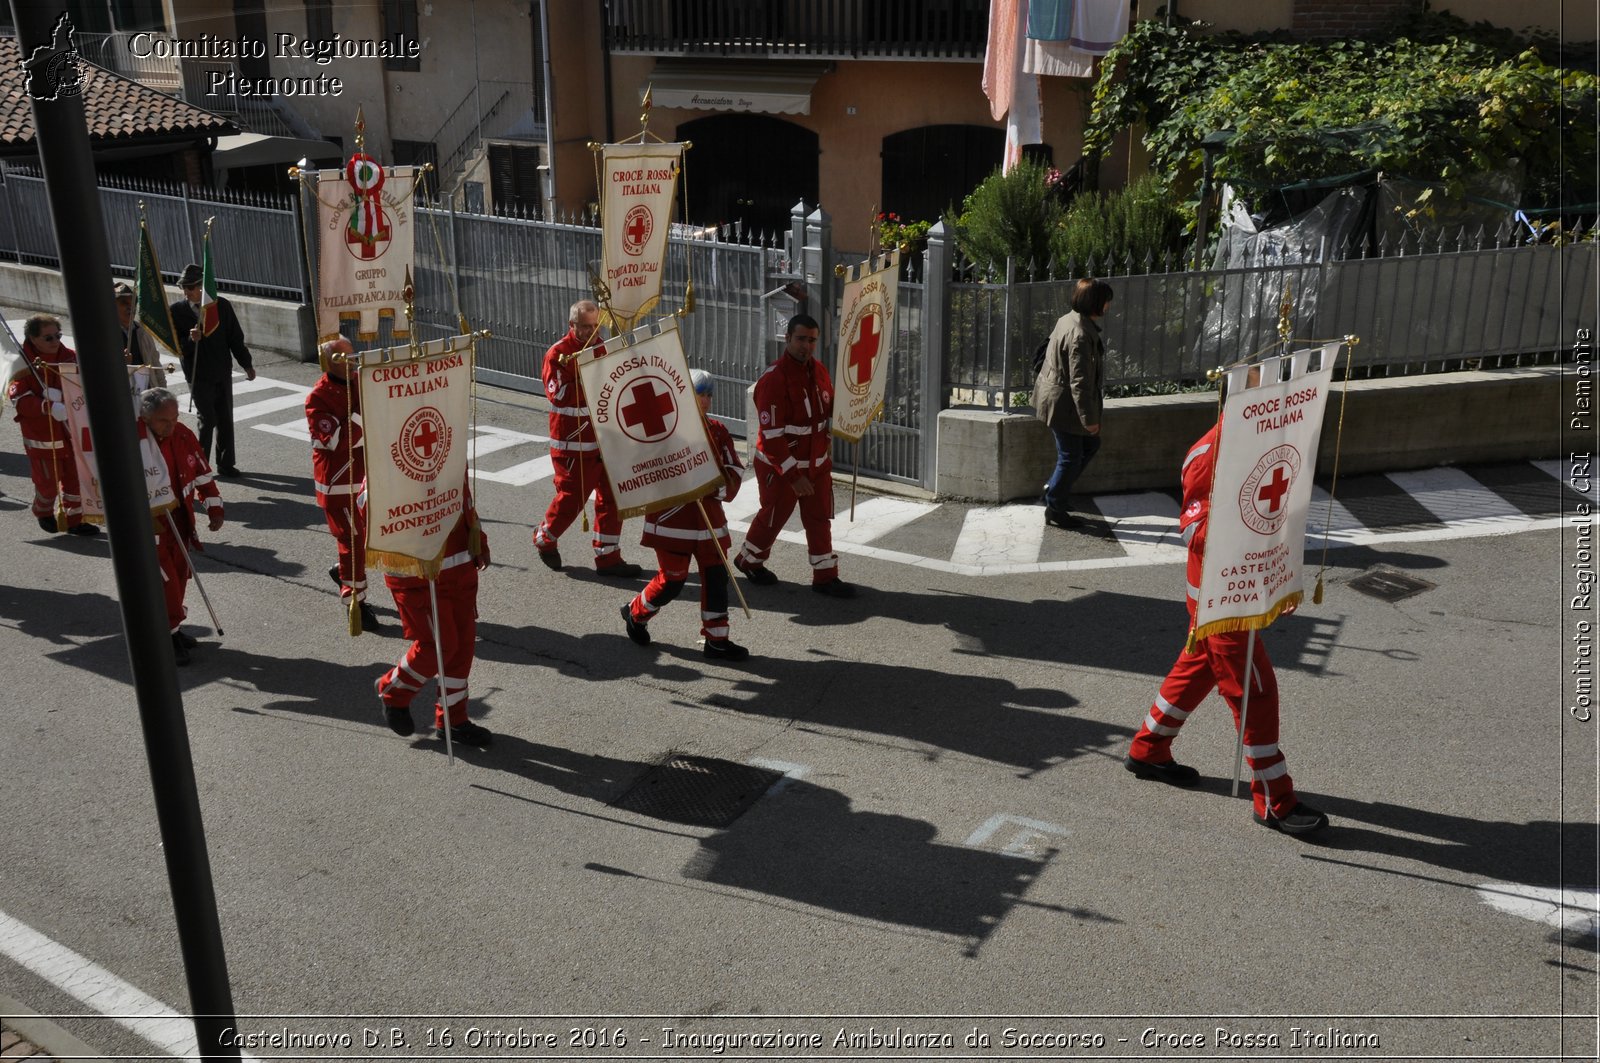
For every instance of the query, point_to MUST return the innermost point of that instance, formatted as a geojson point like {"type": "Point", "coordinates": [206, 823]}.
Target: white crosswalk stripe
{"type": "Point", "coordinates": [1146, 524]}
{"type": "Point", "coordinates": [1456, 498]}
{"type": "Point", "coordinates": [1001, 535]}
{"type": "Point", "coordinates": [875, 518]}
{"type": "Point", "coordinates": [1580, 479]}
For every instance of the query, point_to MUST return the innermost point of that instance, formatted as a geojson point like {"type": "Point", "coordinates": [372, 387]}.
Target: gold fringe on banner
{"type": "Point", "coordinates": [404, 564]}
{"type": "Point", "coordinates": [1258, 621]}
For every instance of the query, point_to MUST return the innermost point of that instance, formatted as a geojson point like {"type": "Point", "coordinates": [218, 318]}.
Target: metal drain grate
{"type": "Point", "coordinates": [697, 791]}
{"type": "Point", "coordinates": [1389, 585]}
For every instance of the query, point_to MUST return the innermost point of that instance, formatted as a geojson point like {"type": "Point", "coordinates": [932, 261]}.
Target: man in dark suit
{"type": "Point", "coordinates": [206, 366]}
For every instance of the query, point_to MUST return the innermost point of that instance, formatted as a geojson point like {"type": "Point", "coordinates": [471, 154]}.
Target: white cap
{"type": "Point", "coordinates": [703, 384]}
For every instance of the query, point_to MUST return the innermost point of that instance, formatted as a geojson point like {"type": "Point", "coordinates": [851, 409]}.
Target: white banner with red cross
{"type": "Point", "coordinates": [416, 404]}
{"type": "Point", "coordinates": [1261, 491]}
{"type": "Point", "coordinates": [638, 183]}
{"type": "Point", "coordinates": [866, 335]}
{"type": "Point", "coordinates": [653, 440]}
{"type": "Point", "coordinates": [364, 228]}
{"type": "Point", "coordinates": [158, 484]}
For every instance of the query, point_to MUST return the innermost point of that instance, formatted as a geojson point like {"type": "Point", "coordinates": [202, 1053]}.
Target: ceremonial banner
{"type": "Point", "coordinates": [1261, 493]}
{"type": "Point", "coordinates": [866, 335]}
{"type": "Point", "coordinates": [414, 417]}
{"type": "Point", "coordinates": [637, 185]}
{"type": "Point", "coordinates": [366, 246]}
{"type": "Point", "coordinates": [158, 485]}
{"type": "Point", "coordinates": [150, 304]}
{"type": "Point", "coordinates": [654, 443]}
{"type": "Point", "coordinates": [210, 316]}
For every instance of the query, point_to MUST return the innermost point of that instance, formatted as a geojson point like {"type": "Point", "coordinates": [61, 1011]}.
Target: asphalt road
{"type": "Point", "coordinates": [954, 847]}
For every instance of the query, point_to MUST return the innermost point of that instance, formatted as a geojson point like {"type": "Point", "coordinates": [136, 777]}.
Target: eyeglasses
{"type": "Point", "coordinates": [53, 337]}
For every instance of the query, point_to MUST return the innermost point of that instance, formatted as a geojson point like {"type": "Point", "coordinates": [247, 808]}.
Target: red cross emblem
{"type": "Point", "coordinates": [637, 226]}
{"type": "Point", "coordinates": [864, 349]}
{"type": "Point", "coordinates": [650, 409]}
{"type": "Point", "coordinates": [424, 439]}
{"type": "Point", "coordinates": [1262, 498]}
{"type": "Point", "coordinates": [423, 444]}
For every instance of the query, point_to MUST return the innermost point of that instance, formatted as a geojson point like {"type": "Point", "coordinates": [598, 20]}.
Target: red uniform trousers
{"type": "Point", "coordinates": [674, 574]}
{"type": "Point", "coordinates": [778, 502]}
{"type": "Point", "coordinates": [457, 590]}
{"type": "Point", "coordinates": [1218, 661]}
{"type": "Point", "coordinates": [348, 523]}
{"type": "Point", "coordinates": [174, 573]}
{"type": "Point", "coordinates": [577, 475]}
{"type": "Point", "coordinates": [54, 471]}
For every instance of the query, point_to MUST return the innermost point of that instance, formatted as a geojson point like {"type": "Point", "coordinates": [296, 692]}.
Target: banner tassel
{"type": "Point", "coordinates": [354, 616]}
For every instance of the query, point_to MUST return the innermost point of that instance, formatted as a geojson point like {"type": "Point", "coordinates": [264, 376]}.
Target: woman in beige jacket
{"type": "Point", "coordinates": [1069, 395]}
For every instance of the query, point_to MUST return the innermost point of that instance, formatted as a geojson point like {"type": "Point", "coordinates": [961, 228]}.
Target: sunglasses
{"type": "Point", "coordinates": [53, 337]}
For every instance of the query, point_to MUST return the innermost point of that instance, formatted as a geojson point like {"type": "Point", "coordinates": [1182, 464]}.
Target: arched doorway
{"type": "Point", "coordinates": [747, 169]}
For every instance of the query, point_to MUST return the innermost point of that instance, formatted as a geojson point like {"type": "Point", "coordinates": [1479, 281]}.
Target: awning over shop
{"type": "Point", "coordinates": [770, 88]}
{"type": "Point", "coordinates": [259, 149]}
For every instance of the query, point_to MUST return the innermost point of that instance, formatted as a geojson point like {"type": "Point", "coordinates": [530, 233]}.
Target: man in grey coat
{"type": "Point", "coordinates": [1069, 395]}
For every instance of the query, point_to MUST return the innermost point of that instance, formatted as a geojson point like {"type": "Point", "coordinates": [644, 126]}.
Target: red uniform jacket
{"type": "Point", "coordinates": [1199, 468]}
{"type": "Point", "coordinates": [30, 401]}
{"type": "Point", "coordinates": [678, 529]}
{"type": "Point", "coordinates": [570, 429]}
{"type": "Point", "coordinates": [794, 403]}
{"type": "Point", "coordinates": [192, 480]}
{"type": "Point", "coordinates": [338, 454]}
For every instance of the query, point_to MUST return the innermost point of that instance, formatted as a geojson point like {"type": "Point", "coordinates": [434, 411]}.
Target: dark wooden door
{"type": "Point", "coordinates": [747, 169]}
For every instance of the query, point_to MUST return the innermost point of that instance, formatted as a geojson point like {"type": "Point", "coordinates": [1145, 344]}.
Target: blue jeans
{"type": "Point", "coordinates": [1073, 454]}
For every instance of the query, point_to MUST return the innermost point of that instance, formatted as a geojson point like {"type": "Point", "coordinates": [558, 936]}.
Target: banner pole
{"type": "Point", "coordinates": [1244, 709]}
{"type": "Point", "coordinates": [855, 477]}
{"type": "Point", "coordinates": [189, 561]}
{"type": "Point", "coordinates": [438, 656]}
{"type": "Point", "coordinates": [706, 519]}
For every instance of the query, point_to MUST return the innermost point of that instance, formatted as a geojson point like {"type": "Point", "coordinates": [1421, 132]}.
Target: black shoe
{"type": "Point", "coordinates": [835, 588]}
{"type": "Point", "coordinates": [636, 631]}
{"type": "Point", "coordinates": [333, 574]}
{"type": "Point", "coordinates": [1170, 771]}
{"type": "Point", "coordinates": [369, 619]}
{"type": "Point", "coordinates": [1061, 519]}
{"type": "Point", "coordinates": [551, 559]}
{"type": "Point", "coordinates": [188, 643]}
{"type": "Point", "coordinates": [620, 570]}
{"type": "Point", "coordinates": [47, 524]}
{"type": "Point", "coordinates": [467, 734]}
{"type": "Point", "coordinates": [724, 650]}
{"type": "Point", "coordinates": [398, 719]}
{"type": "Point", "coordinates": [180, 652]}
{"type": "Point", "coordinates": [230, 471]}
{"type": "Point", "coordinates": [760, 575]}
{"type": "Point", "coordinates": [83, 529]}
{"type": "Point", "coordinates": [1301, 819]}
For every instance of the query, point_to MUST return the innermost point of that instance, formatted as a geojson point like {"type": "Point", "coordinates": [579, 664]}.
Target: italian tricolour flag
{"type": "Point", "coordinates": [209, 315]}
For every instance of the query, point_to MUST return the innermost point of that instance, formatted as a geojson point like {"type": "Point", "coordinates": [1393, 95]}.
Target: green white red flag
{"type": "Point", "coordinates": [209, 315]}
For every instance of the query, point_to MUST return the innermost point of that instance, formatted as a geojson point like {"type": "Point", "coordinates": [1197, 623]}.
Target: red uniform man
{"type": "Point", "coordinates": [466, 550]}
{"type": "Point", "coordinates": [575, 455]}
{"type": "Point", "coordinates": [679, 536]}
{"type": "Point", "coordinates": [1219, 661]}
{"type": "Point", "coordinates": [192, 482]}
{"type": "Point", "coordinates": [35, 394]}
{"type": "Point", "coordinates": [794, 402]}
{"type": "Point", "coordinates": [339, 467]}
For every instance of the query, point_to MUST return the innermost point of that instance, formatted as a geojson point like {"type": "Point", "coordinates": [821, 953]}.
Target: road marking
{"type": "Point", "coordinates": [490, 439]}
{"type": "Point", "coordinates": [1024, 842]}
{"type": "Point", "coordinates": [265, 406]}
{"type": "Point", "coordinates": [1339, 522]}
{"type": "Point", "coordinates": [97, 988]}
{"type": "Point", "coordinates": [1563, 471]}
{"type": "Point", "coordinates": [1456, 498]}
{"type": "Point", "coordinates": [875, 518]}
{"type": "Point", "coordinates": [1146, 524]}
{"type": "Point", "coordinates": [791, 771]}
{"type": "Point", "coordinates": [1576, 911]}
{"type": "Point", "coordinates": [1002, 535]}
{"type": "Point", "coordinates": [520, 475]}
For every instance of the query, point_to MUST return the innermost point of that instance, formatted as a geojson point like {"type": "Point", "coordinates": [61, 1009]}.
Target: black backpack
{"type": "Point", "coordinates": [1039, 353]}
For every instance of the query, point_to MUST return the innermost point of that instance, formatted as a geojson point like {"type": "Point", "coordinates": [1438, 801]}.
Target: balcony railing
{"type": "Point", "coordinates": [824, 29]}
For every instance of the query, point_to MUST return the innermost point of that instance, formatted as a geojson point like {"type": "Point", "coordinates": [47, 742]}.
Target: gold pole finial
{"type": "Point", "coordinates": [644, 109]}
{"type": "Point", "coordinates": [1286, 313]}
{"type": "Point", "coordinates": [361, 128]}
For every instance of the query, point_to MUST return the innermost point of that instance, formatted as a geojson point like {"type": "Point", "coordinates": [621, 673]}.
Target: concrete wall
{"type": "Point", "coordinates": [1404, 423]}
{"type": "Point", "coordinates": [271, 327]}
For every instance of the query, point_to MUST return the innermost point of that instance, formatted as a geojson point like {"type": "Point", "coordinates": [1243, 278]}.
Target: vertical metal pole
{"type": "Point", "coordinates": [11, 211]}
{"type": "Point", "coordinates": [304, 265]}
{"type": "Point", "coordinates": [63, 141]}
{"type": "Point", "coordinates": [1244, 709]}
{"type": "Point", "coordinates": [935, 349]}
{"type": "Point", "coordinates": [1005, 336]}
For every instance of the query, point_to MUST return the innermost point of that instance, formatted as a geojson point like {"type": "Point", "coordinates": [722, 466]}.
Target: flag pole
{"type": "Point", "coordinates": [722, 554]}
{"type": "Point", "coordinates": [438, 654]}
{"type": "Point", "coordinates": [189, 561]}
{"type": "Point", "coordinates": [1244, 709]}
